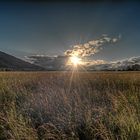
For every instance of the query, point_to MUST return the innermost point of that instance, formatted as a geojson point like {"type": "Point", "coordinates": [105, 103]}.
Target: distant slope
{"type": "Point", "coordinates": [9, 62]}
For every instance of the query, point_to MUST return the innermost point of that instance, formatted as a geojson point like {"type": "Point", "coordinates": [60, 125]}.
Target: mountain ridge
{"type": "Point", "coordinates": [11, 63]}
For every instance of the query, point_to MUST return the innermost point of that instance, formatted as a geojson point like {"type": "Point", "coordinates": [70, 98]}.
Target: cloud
{"type": "Point", "coordinates": [49, 62]}
{"type": "Point", "coordinates": [81, 50]}
{"type": "Point", "coordinates": [59, 63]}
{"type": "Point", "coordinates": [132, 63]}
{"type": "Point", "coordinates": [91, 47]}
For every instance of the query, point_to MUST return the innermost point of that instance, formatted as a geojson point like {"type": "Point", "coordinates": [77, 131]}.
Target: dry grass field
{"type": "Point", "coordinates": [70, 106]}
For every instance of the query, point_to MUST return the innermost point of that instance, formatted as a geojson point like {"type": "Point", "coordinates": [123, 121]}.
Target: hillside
{"type": "Point", "coordinates": [9, 62]}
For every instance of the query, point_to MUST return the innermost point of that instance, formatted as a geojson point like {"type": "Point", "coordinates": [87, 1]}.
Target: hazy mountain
{"type": "Point", "coordinates": [9, 62]}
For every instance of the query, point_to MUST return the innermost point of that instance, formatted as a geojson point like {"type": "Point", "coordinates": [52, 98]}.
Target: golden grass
{"type": "Point", "coordinates": [70, 106]}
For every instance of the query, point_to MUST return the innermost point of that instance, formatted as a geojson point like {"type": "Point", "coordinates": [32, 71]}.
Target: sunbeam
{"type": "Point", "coordinates": [75, 60]}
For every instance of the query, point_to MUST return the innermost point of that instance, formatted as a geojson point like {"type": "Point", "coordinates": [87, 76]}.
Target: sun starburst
{"type": "Point", "coordinates": [75, 60]}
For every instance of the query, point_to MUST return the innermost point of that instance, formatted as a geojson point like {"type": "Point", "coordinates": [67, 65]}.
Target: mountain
{"type": "Point", "coordinates": [9, 62]}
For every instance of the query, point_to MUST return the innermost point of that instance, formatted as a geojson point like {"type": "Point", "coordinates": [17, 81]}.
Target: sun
{"type": "Point", "coordinates": [75, 60]}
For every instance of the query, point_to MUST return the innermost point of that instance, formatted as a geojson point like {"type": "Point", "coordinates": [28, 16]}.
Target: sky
{"type": "Point", "coordinates": [28, 28]}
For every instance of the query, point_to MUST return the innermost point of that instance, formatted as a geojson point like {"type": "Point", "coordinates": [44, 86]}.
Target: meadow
{"type": "Point", "coordinates": [70, 106]}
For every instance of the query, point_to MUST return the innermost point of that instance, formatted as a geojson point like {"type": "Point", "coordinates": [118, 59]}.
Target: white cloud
{"type": "Point", "coordinates": [132, 63]}
{"type": "Point", "coordinates": [91, 47]}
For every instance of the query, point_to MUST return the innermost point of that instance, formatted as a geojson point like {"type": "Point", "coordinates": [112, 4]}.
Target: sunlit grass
{"type": "Point", "coordinates": [70, 105]}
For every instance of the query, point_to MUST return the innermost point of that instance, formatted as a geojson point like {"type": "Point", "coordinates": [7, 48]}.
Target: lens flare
{"type": "Point", "coordinates": [75, 60]}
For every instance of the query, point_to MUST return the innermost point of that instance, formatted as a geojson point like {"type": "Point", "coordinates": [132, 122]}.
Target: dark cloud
{"type": "Point", "coordinates": [60, 63]}
{"type": "Point", "coordinates": [49, 62]}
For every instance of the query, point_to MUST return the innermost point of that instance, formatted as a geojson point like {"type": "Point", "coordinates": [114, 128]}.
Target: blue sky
{"type": "Point", "coordinates": [51, 28]}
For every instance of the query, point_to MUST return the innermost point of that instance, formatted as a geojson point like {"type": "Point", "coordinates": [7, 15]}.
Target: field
{"type": "Point", "coordinates": [70, 106]}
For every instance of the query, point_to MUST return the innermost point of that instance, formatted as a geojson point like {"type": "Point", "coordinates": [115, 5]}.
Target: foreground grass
{"type": "Point", "coordinates": [65, 106]}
